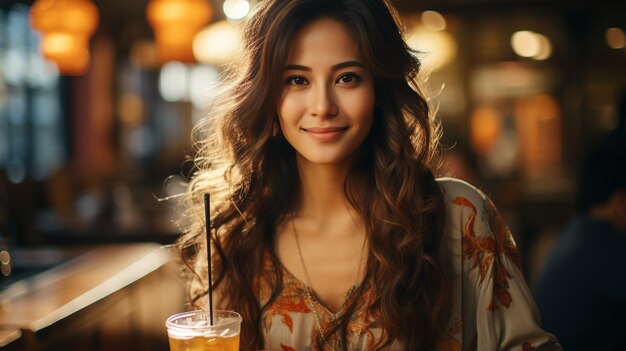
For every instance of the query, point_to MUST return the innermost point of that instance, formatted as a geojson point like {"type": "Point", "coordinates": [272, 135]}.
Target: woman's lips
{"type": "Point", "coordinates": [325, 134]}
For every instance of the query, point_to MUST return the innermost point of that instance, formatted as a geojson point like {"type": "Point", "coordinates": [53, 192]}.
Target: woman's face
{"type": "Point", "coordinates": [326, 106]}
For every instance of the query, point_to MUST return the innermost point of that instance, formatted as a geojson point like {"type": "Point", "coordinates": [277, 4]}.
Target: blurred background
{"type": "Point", "coordinates": [98, 98]}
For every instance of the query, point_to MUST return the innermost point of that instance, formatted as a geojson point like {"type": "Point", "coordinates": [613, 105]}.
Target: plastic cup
{"type": "Point", "coordinates": [192, 331]}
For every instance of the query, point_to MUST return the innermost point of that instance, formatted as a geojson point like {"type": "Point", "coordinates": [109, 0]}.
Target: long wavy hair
{"type": "Point", "coordinates": [249, 168]}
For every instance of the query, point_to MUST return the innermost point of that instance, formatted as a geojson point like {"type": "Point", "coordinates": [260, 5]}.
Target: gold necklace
{"type": "Point", "coordinates": [316, 304]}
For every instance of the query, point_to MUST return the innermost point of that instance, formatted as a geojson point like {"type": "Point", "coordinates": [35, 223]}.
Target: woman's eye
{"type": "Point", "coordinates": [296, 80]}
{"type": "Point", "coordinates": [348, 78]}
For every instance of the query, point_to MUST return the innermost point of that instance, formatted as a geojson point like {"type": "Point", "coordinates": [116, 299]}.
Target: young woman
{"type": "Point", "coordinates": [330, 230]}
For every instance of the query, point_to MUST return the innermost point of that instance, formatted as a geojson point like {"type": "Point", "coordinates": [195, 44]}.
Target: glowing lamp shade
{"type": "Point", "coordinates": [175, 23]}
{"type": "Point", "coordinates": [218, 43]}
{"type": "Point", "coordinates": [66, 26]}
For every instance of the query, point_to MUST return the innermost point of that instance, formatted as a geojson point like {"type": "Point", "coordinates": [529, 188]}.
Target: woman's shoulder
{"type": "Point", "coordinates": [468, 205]}
{"type": "Point", "coordinates": [454, 189]}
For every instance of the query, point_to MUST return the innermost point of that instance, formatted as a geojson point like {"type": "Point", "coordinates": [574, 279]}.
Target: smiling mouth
{"type": "Point", "coordinates": [320, 130]}
{"type": "Point", "coordinates": [325, 134]}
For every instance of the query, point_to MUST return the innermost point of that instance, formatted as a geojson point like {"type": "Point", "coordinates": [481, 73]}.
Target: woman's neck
{"type": "Point", "coordinates": [322, 189]}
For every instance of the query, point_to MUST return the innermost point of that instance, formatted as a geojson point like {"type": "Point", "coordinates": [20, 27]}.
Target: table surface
{"type": "Point", "coordinates": [37, 302]}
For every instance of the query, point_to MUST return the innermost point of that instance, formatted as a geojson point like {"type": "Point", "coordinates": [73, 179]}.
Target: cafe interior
{"type": "Point", "coordinates": [98, 99]}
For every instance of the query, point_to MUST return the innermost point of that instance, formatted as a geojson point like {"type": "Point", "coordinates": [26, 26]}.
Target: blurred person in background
{"type": "Point", "coordinates": [582, 291]}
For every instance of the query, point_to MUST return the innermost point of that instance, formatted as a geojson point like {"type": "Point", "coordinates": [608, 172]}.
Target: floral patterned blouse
{"type": "Point", "coordinates": [493, 309]}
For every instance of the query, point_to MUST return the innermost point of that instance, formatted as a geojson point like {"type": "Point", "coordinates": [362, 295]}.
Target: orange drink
{"type": "Point", "coordinates": [192, 331]}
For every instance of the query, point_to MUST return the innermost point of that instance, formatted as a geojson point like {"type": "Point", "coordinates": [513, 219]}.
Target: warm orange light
{"type": "Point", "coordinates": [175, 23]}
{"type": "Point", "coordinates": [218, 43]}
{"type": "Point", "coordinates": [485, 128]}
{"type": "Point", "coordinates": [66, 26]}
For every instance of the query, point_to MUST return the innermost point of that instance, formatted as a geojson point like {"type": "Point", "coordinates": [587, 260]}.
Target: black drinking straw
{"type": "Point", "coordinates": [207, 217]}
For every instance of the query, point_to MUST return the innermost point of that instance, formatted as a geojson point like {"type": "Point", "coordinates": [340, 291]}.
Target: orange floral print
{"type": "Point", "coordinates": [293, 299]}
{"type": "Point", "coordinates": [290, 301]}
{"type": "Point", "coordinates": [283, 307]}
{"type": "Point", "coordinates": [483, 251]}
{"type": "Point", "coordinates": [504, 239]}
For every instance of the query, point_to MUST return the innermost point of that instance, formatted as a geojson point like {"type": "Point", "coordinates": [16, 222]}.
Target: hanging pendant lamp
{"type": "Point", "coordinates": [66, 26]}
{"type": "Point", "coordinates": [175, 23]}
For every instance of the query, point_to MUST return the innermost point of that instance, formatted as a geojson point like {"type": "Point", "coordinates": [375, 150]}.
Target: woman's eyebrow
{"type": "Point", "coordinates": [292, 67]}
{"type": "Point", "coordinates": [347, 64]}
{"type": "Point", "coordinates": [341, 65]}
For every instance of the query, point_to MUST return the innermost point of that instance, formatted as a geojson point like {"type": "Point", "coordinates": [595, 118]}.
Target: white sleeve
{"type": "Point", "coordinates": [495, 295]}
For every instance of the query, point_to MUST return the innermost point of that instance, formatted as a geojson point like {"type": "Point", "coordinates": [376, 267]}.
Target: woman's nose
{"type": "Point", "coordinates": [322, 102]}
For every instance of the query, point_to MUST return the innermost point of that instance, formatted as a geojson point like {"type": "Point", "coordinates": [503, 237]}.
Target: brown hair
{"type": "Point", "coordinates": [249, 168]}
